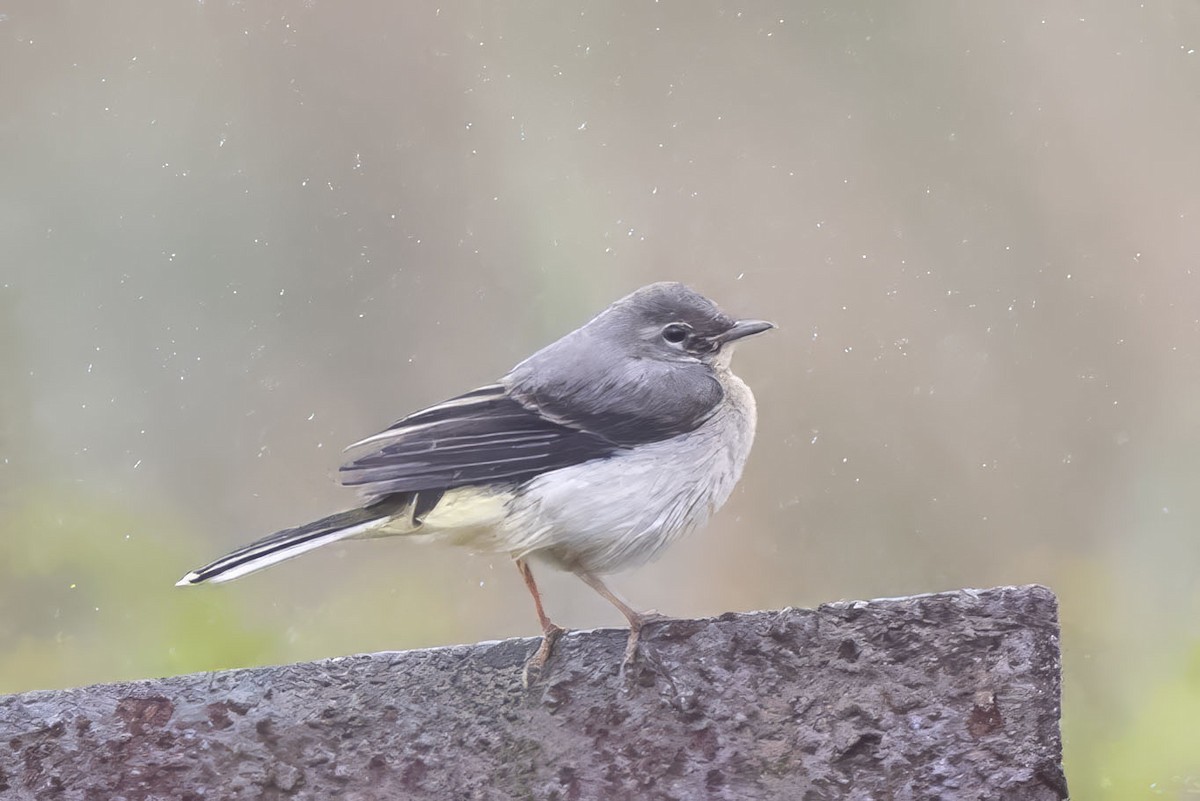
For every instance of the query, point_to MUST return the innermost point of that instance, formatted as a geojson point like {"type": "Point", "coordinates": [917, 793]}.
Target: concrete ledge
{"type": "Point", "coordinates": [947, 696]}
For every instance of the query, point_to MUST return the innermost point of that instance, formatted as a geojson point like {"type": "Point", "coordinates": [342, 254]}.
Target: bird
{"type": "Point", "coordinates": [591, 456]}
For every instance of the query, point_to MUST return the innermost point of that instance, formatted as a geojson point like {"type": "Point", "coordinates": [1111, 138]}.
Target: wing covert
{"type": "Point", "coordinates": [481, 437]}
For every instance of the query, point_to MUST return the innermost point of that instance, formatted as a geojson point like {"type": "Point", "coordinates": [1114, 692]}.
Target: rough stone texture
{"type": "Point", "coordinates": [948, 696]}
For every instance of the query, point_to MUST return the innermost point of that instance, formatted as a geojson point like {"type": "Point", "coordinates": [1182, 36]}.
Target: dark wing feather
{"type": "Point", "coordinates": [482, 437]}
{"type": "Point", "coordinates": [591, 382]}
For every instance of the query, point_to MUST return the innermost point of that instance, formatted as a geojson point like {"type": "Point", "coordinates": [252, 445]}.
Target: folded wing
{"type": "Point", "coordinates": [482, 437]}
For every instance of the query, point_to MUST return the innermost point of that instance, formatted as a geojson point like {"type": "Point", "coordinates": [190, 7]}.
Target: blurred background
{"type": "Point", "coordinates": [235, 237]}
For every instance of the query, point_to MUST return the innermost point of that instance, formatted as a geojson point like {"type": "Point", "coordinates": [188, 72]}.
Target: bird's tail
{"type": "Point", "coordinates": [292, 542]}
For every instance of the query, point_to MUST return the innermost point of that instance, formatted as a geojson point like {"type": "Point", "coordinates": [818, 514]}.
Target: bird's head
{"type": "Point", "coordinates": [671, 322]}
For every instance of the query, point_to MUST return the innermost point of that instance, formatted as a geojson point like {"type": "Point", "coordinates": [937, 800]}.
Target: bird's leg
{"type": "Point", "coordinates": [636, 619]}
{"type": "Point", "coordinates": [550, 631]}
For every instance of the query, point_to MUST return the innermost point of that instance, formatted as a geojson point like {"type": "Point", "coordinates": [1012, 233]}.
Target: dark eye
{"type": "Point", "coordinates": [676, 333]}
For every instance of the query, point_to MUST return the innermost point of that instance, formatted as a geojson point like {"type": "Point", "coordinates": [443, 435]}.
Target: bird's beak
{"type": "Point", "coordinates": [745, 328]}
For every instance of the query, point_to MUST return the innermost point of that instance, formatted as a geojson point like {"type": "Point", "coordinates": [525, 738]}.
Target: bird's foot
{"type": "Point", "coordinates": [636, 625]}
{"type": "Point", "coordinates": [537, 663]}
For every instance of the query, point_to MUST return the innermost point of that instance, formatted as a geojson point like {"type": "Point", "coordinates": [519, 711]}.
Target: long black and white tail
{"type": "Point", "coordinates": [291, 542]}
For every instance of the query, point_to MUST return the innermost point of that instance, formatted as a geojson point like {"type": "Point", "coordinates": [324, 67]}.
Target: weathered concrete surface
{"type": "Point", "coordinates": [948, 696]}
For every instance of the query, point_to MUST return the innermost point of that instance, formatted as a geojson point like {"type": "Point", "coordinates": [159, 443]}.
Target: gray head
{"type": "Point", "coordinates": [673, 322]}
{"type": "Point", "coordinates": [643, 369]}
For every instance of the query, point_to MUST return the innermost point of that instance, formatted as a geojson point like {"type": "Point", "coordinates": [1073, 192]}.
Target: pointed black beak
{"type": "Point", "coordinates": [745, 328]}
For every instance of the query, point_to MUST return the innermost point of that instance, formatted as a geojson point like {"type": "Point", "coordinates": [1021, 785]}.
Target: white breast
{"type": "Point", "coordinates": [617, 513]}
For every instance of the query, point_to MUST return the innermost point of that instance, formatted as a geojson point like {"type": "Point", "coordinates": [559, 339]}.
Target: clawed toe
{"type": "Point", "coordinates": [537, 663]}
{"type": "Point", "coordinates": [631, 649]}
{"type": "Point", "coordinates": [636, 625]}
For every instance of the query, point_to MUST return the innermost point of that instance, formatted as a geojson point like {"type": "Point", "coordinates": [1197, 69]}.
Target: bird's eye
{"type": "Point", "coordinates": [676, 333]}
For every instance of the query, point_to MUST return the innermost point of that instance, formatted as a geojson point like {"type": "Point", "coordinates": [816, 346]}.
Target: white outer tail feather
{"type": "Point", "coordinates": [276, 554]}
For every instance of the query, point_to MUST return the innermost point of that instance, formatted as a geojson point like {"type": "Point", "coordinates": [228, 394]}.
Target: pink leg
{"type": "Point", "coordinates": [636, 619]}
{"type": "Point", "coordinates": [550, 631]}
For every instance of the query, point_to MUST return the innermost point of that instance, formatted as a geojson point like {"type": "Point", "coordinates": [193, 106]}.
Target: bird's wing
{"type": "Point", "coordinates": [482, 437]}
{"type": "Point", "coordinates": [629, 401]}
